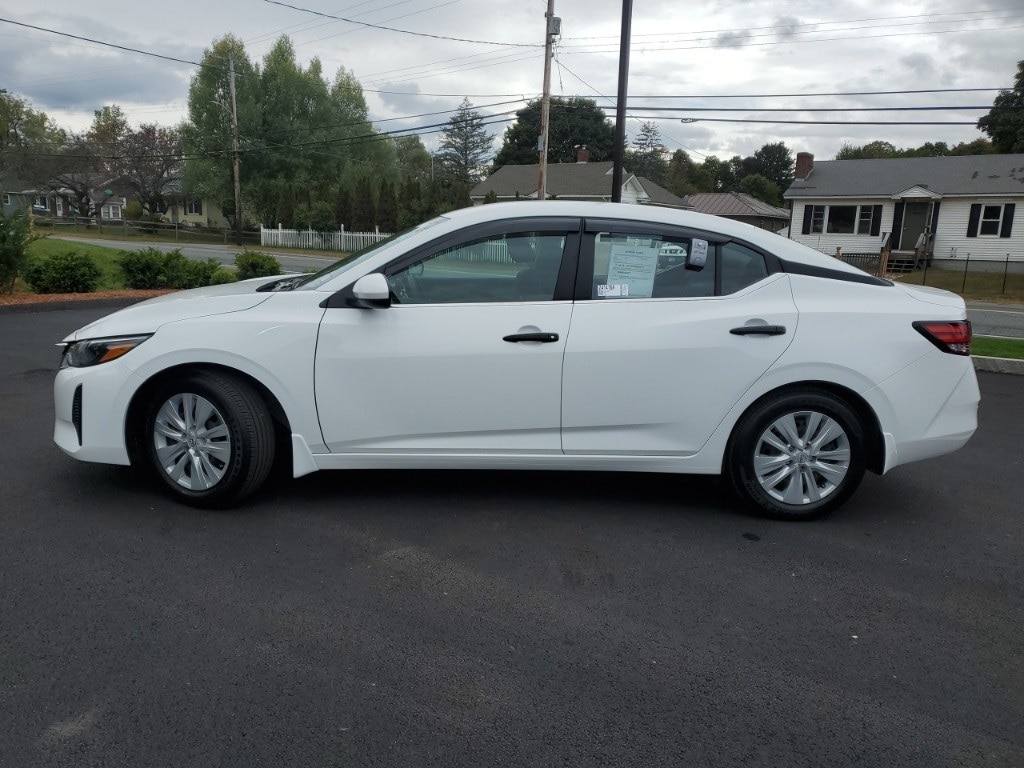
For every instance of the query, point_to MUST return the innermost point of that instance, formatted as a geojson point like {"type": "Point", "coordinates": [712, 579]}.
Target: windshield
{"type": "Point", "coordinates": [314, 281]}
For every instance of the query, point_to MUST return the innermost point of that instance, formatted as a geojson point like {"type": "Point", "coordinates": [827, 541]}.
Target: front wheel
{"type": "Point", "coordinates": [209, 438]}
{"type": "Point", "coordinates": [797, 456]}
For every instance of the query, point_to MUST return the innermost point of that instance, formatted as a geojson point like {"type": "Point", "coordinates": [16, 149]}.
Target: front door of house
{"type": "Point", "coordinates": [916, 222]}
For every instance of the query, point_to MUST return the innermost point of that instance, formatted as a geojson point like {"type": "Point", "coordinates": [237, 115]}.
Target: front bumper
{"type": "Point", "coordinates": [90, 411]}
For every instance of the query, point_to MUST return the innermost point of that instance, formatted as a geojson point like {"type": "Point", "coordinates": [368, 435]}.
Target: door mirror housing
{"type": "Point", "coordinates": [371, 292]}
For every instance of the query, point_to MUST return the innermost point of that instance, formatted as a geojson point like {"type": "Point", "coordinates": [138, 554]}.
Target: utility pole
{"type": "Point", "coordinates": [236, 151]}
{"type": "Point", "coordinates": [620, 105]}
{"type": "Point", "coordinates": [552, 28]}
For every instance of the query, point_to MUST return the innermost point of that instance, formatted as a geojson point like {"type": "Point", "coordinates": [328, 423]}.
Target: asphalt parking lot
{"type": "Point", "coordinates": [519, 619]}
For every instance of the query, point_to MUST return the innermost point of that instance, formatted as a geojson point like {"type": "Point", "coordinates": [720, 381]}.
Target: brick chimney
{"type": "Point", "coordinates": [582, 154]}
{"type": "Point", "coordinates": [804, 165]}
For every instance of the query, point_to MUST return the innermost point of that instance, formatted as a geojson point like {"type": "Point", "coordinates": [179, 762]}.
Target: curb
{"type": "Point", "coordinates": [999, 365]}
{"type": "Point", "coordinates": [46, 306]}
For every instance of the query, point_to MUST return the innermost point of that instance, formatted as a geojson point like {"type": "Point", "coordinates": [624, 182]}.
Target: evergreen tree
{"type": "Point", "coordinates": [465, 146]}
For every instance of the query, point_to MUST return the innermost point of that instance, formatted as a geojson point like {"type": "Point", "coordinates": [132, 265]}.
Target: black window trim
{"type": "Point", "coordinates": [568, 225]}
{"type": "Point", "coordinates": [593, 226]}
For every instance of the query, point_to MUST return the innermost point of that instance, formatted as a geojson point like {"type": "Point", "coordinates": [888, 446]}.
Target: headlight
{"type": "Point", "coordinates": [82, 354]}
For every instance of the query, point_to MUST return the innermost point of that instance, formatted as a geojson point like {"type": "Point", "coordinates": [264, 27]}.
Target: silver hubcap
{"type": "Point", "coordinates": [802, 457]}
{"type": "Point", "coordinates": [192, 441]}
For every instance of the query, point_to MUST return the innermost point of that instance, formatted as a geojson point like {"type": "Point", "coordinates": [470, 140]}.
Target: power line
{"type": "Point", "coordinates": [102, 42]}
{"type": "Point", "coordinates": [395, 29]}
{"type": "Point", "coordinates": [823, 122]}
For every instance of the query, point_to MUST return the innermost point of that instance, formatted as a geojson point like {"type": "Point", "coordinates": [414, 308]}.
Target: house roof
{"type": "Point", "coordinates": [961, 175]}
{"type": "Point", "coordinates": [734, 204]}
{"type": "Point", "coordinates": [567, 180]}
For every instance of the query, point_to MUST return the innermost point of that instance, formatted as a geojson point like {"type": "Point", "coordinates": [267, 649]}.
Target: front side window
{"type": "Point", "coordinates": [502, 268]}
{"type": "Point", "coordinates": [633, 266]}
{"type": "Point", "coordinates": [194, 207]}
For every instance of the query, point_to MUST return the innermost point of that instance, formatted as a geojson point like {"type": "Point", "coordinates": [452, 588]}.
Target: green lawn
{"type": "Point", "coordinates": [986, 346]}
{"type": "Point", "coordinates": [975, 285]}
{"type": "Point", "coordinates": [106, 259]}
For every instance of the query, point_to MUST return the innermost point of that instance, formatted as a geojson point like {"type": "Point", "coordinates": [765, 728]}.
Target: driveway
{"type": "Point", "coordinates": [503, 619]}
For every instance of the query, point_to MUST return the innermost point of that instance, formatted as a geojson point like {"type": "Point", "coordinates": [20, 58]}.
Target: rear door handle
{"type": "Point", "coordinates": [759, 330]}
{"type": "Point", "coordinates": [545, 338]}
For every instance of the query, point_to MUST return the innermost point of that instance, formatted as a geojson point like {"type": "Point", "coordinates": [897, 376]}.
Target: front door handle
{"type": "Point", "coordinates": [759, 330]}
{"type": "Point", "coordinates": [545, 338]}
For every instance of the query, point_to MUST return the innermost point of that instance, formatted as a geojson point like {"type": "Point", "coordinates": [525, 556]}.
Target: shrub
{"type": "Point", "coordinates": [254, 264]}
{"type": "Point", "coordinates": [69, 272]}
{"type": "Point", "coordinates": [15, 234]}
{"type": "Point", "coordinates": [150, 268]}
{"type": "Point", "coordinates": [143, 269]}
{"type": "Point", "coordinates": [222, 276]}
{"type": "Point", "coordinates": [133, 211]}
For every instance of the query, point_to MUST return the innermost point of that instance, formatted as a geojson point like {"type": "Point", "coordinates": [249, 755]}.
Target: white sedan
{"type": "Point", "coordinates": [534, 335]}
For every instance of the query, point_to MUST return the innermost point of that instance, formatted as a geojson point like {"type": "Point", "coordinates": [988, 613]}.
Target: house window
{"type": "Point", "coordinates": [988, 220]}
{"type": "Point", "coordinates": [842, 219]}
{"type": "Point", "coordinates": [991, 219]}
{"type": "Point", "coordinates": [60, 207]}
{"type": "Point", "coordinates": [111, 212]}
{"type": "Point", "coordinates": [194, 207]}
{"type": "Point", "coordinates": [818, 218]}
{"type": "Point", "coordinates": [865, 219]}
{"type": "Point", "coordinates": [39, 201]}
{"type": "Point", "coordinates": [7, 199]}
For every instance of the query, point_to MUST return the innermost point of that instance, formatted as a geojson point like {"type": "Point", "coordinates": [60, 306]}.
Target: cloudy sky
{"type": "Point", "coordinates": [744, 56]}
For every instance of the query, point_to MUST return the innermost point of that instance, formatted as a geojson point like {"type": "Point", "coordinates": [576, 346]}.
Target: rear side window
{"type": "Point", "coordinates": [741, 267]}
{"type": "Point", "coordinates": [632, 266]}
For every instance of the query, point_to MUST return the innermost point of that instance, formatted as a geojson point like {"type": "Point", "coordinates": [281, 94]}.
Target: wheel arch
{"type": "Point", "coordinates": [874, 439]}
{"type": "Point", "coordinates": [140, 399]}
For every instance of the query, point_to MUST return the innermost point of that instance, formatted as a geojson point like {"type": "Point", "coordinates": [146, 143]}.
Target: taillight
{"type": "Point", "coordinates": [953, 337]}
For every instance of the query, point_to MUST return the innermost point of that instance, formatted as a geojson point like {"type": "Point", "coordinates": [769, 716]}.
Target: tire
{"type": "Point", "coordinates": [210, 438]}
{"type": "Point", "coordinates": [797, 456]}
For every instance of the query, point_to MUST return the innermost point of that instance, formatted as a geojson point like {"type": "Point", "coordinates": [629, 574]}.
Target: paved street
{"type": "Point", "coordinates": [512, 619]}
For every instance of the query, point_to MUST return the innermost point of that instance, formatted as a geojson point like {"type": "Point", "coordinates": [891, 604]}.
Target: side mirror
{"type": "Point", "coordinates": [371, 292]}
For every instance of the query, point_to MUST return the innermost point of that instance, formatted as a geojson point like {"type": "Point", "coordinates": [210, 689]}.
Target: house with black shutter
{"type": "Point", "coordinates": [935, 210]}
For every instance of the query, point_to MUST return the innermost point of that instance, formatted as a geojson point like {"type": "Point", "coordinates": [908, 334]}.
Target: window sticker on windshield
{"type": "Point", "coordinates": [610, 291]}
{"type": "Point", "coordinates": [632, 266]}
{"type": "Point", "coordinates": [699, 257]}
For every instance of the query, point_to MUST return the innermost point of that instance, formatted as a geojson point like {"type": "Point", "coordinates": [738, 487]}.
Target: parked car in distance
{"type": "Point", "coordinates": [534, 335]}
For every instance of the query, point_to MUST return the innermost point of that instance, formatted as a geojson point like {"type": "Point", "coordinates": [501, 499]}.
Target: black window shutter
{"type": "Point", "coordinates": [876, 220]}
{"type": "Point", "coordinates": [1008, 210]}
{"type": "Point", "coordinates": [935, 216]}
{"type": "Point", "coordinates": [808, 212]}
{"type": "Point", "coordinates": [897, 226]}
{"type": "Point", "coordinates": [972, 223]}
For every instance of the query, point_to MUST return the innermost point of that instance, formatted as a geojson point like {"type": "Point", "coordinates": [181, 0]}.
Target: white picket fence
{"type": "Point", "coordinates": [319, 241]}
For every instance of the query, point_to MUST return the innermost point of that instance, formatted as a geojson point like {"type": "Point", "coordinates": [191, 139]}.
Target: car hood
{"type": "Point", "coordinates": [932, 295]}
{"type": "Point", "coordinates": [147, 316]}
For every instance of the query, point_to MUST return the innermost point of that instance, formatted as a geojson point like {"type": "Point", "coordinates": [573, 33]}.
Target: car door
{"type": "Point", "coordinates": [658, 353]}
{"type": "Point", "coordinates": [467, 357]}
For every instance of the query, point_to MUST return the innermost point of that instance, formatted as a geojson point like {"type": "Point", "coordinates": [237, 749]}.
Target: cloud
{"type": "Point", "coordinates": [731, 39]}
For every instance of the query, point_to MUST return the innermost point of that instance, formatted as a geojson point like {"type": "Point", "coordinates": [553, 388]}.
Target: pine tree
{"type": "Point", "coordinates": [465, 146]}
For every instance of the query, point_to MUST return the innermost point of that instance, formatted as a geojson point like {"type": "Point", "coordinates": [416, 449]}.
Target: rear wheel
{"type": "Point", "coordinates": [797, 456]}
{"type": "Point", "coordinates": [209, 438]}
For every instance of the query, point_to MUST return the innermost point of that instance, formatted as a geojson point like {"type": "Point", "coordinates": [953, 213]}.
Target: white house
{"type": "Point", "coordinates": [941, 209]}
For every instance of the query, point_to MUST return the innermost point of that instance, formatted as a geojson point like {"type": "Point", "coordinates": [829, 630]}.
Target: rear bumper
{"type": "Point", "coordinates": [934, 408]}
